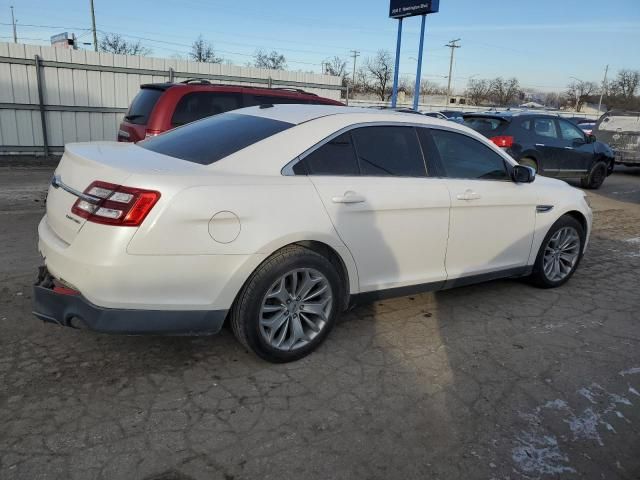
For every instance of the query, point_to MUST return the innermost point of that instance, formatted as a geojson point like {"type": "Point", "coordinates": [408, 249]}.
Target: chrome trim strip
{"type": "Point", "coordinates": [56, 182]}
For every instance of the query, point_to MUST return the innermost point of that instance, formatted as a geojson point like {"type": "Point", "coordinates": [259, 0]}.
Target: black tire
{"type": "Point", "coordinates": [529, 162]}
{"type": "Point", "coordinates": [245, 313]}
{"type": "Point", "coordinates": [538, 276]}
{"type": "Point", "coordinates": [595, 178]}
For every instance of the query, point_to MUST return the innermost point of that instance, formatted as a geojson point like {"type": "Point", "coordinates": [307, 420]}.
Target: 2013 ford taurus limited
{"type": "Point", "coordinates": [277, 218]}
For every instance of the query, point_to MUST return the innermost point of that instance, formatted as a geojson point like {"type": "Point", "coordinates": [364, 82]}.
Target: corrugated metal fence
{"type": "Point", "coordinates": [78, 95]}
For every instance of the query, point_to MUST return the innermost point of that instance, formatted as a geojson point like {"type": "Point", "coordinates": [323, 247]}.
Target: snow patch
{"type": "Point", "coordinates": [630, 371]}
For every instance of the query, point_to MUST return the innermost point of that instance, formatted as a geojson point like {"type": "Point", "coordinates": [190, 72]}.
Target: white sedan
{"type": "Point", "coordinates": [277, 218]}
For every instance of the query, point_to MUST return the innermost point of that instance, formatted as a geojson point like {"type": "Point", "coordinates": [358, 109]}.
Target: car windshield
{"type": "Point", "coordinates": [142, 105]}
{"type": "Point", "coordinates": [211, 139]}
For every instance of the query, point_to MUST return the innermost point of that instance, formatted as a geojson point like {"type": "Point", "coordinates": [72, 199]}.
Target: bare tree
{"type": "Point", "coordinates": [428, 87]}
{"type": "Point", "coordinates": [114, 43]}
{"type": "Point", "coordinates": [336, 66]}
{"type": "Point", "coordinates": [504, 92]}
{"type": "Point", "coordinates": [381, 70]}
{"type": "Point", "coordinates": [202, 51]}
{"type": "Point", "coordinates": [361, 82]}
{"type": "Point", "coordinates": [406, 85]}
{"type": "Point", "coordinates": [478, 91]}
{"type": "Point", "coordinates": [271, 61]}
{"type": "Point", "coordinates": [553, 100]}
{"type": "Point", "coordinates": [578, 93]}
{"type": "Point", "coordinates": [626, 83]}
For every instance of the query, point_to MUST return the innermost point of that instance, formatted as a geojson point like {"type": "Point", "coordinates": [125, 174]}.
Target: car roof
{"type": "Point", "coordinates": [297, 114]}
{"type": "Point", "coordinates": [204, 83]}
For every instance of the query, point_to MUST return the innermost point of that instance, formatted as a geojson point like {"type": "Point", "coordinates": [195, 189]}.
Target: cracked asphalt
{"type": "Point", "coordinates": [494, 381]}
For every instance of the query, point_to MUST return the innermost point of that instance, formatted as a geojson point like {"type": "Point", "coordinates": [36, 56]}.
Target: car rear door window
{"type": "Point", "coordinates": [545, 127]}
{"type": "Point", "coordinates": [142, 105]}
{"type": "Point", "coordinates": [569, 131]}
{"type": "Point", "coordinates": [460, 156]}
{"type": "Point", "coordinates": [389, 151]}
{"type": "Point", "coordinates": [336, 157]}
{"type": "Point", "coordinates": [214, 138]}
{"type": "Point", "coordinates": [197, 105]}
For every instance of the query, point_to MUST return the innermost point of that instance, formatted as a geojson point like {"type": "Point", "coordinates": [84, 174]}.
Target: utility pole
{"type": "Point", "coordinates": [453, 44]}
{"type": "Point", "coordinates": [13, 22]}
{"type": "Point", "coordinates": [604, 86]}
{"type": "Point", "coordinates": [93, 23]}
{"type": "Point", "coordinates": [354, 54]}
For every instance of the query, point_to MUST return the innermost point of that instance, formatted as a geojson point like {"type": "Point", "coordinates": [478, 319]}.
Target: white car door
{"type": "Point", "coordinates": [394, 220]}
{"type": "Point", "coordinates": [492, 218]}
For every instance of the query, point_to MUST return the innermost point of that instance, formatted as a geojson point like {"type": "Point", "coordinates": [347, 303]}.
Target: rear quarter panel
{"type": "Point", "coordinates": [272, 212]}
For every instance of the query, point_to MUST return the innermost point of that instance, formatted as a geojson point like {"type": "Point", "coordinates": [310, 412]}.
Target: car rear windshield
{"type": "Point", "coordinates": [485, 124]}
{"type": "Point", "coordinates": [214, 138]}
{"type": "Point", "coordinates": [142, 105]}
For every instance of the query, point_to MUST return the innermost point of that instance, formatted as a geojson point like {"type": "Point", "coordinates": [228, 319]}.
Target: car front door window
{"type": "Point", "coordinates": [461, 156]}
{"type": "Point", "coordinates": [570, 132]}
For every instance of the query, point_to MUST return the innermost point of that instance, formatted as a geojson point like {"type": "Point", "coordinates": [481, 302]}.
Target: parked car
{"type": "Point", "coordinates": [436, 115]}
{"type": "Point", "coordinates": [396, 109]}
{"type": "Point", "coordinates": [159, 107]}
{"type": "Point", "coordinates": [621, 130]}
{"type": "Point", "coordinates": [454, 115]}
{"type": "Point", "coordinates": [277, 219]}
{"type": "Point", "coordinates": [553, 146]}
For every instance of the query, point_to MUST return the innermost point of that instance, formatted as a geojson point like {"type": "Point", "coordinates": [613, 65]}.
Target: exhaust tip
{"type": "Point", "coordinates": [77, 323]}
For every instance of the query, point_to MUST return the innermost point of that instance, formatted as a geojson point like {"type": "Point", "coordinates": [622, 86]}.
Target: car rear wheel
{"type": "Point", "coordinates": [559, 254]}
{"type": "Point", "coordinates": [595, 178]}
{"type": "Point", "coordinates": [529, 162]}
{"type": "Point", "coordinates": [288, 306]}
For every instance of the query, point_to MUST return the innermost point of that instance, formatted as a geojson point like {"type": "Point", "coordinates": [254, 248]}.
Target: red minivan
{"type": "Point", "coordinates": [159, 107]}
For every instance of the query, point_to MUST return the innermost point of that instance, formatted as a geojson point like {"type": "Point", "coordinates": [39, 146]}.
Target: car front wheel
{"type": "Point", "coordinates": [595, 178]}
{"type": "Point", "coordinates": [559, 254]}
{"type": "Point", "coordinates": [288, 306]}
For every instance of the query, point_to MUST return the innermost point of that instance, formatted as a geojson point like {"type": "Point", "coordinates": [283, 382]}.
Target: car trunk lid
{"type": "Point", "coordinates": [85, 163]}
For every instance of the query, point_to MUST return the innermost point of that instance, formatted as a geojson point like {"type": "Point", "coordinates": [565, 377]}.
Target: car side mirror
{"type": "Point", "coordinates": [591, 138]}
{"type": "Point", "coordinates": [523, 174]}
{"type": "Point", "coordinates": [580, 141]}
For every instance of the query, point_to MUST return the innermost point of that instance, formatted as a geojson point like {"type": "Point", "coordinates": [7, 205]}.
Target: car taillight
{"type": "Point", "coordinates": [150, 132]}
{"type": "Point", "coordinates": [504, 141]}
{"type": "Point", "coordinates": [115, 204]}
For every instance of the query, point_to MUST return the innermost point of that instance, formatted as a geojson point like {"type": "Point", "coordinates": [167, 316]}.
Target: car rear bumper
{"type": "Point", "coordinates": [65, 307]}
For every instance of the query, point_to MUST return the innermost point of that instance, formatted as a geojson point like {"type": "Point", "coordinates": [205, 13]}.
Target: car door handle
{"type": "Point", "coordinates": [540, 145]}
{"type": "Point", "coordinates": [349, 197]}
{"type": "Point", "coordinates": [468, 195]}
{"type": "Point", "coordinates": [568, 148]}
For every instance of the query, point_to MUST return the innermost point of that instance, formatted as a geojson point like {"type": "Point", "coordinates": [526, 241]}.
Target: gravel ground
{"type": "Point", "coordinates": [494, 381]}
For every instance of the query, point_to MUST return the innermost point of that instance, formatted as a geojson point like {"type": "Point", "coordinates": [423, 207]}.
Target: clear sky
{"type": "Point", "coordinates": [542, 42]}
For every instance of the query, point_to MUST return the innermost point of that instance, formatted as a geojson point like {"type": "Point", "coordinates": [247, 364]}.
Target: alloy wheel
{"type": "Point", "coordinates": [561, 254]}
{"type": "Point", "coordinates": [295, 309]}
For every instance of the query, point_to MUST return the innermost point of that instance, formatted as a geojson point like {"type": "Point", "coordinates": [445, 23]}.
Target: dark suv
{"type": "Point", "coordinates": [159, 107]}
{"type": "Point", "coordinates": [553, 146]}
